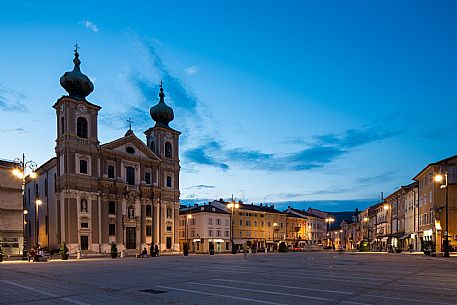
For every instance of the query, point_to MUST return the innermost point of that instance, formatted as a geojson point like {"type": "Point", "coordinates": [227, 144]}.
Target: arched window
{"type": "Point", "coordinates": [153, 146]}
{"type": "Point", "coordinates": [110, 171]}
{"type": "Point", "coordinates": [82, 166]}
{"type": "Point", "coordinates": [168, 150]}
{"type": "Point", "coordinates": [111, 207]}
{"type": "Point", "coordinates": [62, 126]}
{"type": "Point", "coordinates": [81, 127]}
{"type": "Point", "coordinates": [83, 207]}
{"type": "Point", "coordinates": [148, 211]}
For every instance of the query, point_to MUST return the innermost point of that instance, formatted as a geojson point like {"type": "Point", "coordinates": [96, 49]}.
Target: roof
{"type": "Point", "coordinates": [289, 214]}
{"type": "Point", "coordinates": [200, 209]}
{"type": "Point", "coordinates": [441, 162]}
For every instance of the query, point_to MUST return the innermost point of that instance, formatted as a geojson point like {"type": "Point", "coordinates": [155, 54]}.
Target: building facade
{"type": "Point", "coordinates": [202, 226]}
{"type": "Point", "coordinates": [11, 209]}
{"type": "Point", "coordinates": [432, 199]}
{"type": "Point", "coordinates": [124, 192]}
{"type": "Point", "coordinates": [296, 228]}
{"type": "Point", "coordinates": [410, 239]}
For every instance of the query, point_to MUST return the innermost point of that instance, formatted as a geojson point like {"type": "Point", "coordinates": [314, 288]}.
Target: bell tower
{"type": "Point", "coordinates": [164, 142]}
{"type": "Point", "coordinates": [77, 132]}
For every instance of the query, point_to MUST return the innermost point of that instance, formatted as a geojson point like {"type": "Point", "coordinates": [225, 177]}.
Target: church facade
{"type": "Point", "coordinates": [91, 195]}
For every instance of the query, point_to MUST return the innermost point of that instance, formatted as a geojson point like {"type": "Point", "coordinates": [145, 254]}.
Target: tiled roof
{"type": "Point", "coordinates": [200, 209]}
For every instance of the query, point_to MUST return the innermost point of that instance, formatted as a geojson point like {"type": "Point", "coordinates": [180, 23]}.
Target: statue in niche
{"type": "Point", "coordinates": [84, 206]}
{"type": "Point", "coordinates": [131, 212]}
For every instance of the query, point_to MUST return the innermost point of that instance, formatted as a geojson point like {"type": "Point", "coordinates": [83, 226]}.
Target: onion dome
{"type": "Point", "coordinates": [77, 84]}
{"type": "Point", "coordinates": [161, 113]}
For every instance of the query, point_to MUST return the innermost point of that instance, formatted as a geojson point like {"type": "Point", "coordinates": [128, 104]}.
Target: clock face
{"type": "Point", "coordinates": [82, 108]}
{"type": "Point", "coordinates": [168, 135]}
{"type": "Point", "coordinates": [62, 107]}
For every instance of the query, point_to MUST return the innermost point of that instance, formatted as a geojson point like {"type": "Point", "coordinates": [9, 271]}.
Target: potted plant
{"type": "Point", "coordinates": [211, 248]}
{"type": "Point", "coordinates": [185, 250]}
{"type": "Point", "coordinates": [63, 251]}
{"type": "Point", "coordinates": [1, 253]}
{"type": "Point", "coordinates": [113, 250]}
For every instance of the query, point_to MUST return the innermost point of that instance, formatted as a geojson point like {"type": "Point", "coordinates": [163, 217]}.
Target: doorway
{"type": "Point", "coordinates": [84, 242]}
{"type": "Point", "coordinates": [130, 238]}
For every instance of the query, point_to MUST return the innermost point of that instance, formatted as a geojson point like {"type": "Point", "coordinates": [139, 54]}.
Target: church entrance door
{"type": "Point", "coordinates": [130, 238]}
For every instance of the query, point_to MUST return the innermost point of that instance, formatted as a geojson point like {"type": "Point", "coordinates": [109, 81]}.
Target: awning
{"type": "Point", "coordinates": [405, 236]}
{"type": "Point", "coordinates": [385, 239]}
{"type": "Point", "coordinates": [218, 240]}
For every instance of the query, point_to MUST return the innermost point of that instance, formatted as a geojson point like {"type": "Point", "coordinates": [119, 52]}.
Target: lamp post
{"type": "Point", "coordinates": [387, 208]}
{"type": "Point", "coordinates": [189, 217]}
{"type": "Point", "coordinates": [365, 220]}
{"type": "Point", "coordinates": [19, 172]}
{"type": "Point", "coordinates": [329, 220]}
{"type": "Point", "coordinates": [439, 179]}
{"type": "Point", "coordinates": [232, 206]}
{"type": "Point", "coordinates": [38, 202]}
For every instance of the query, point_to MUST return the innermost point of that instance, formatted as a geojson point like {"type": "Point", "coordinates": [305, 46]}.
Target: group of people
{"type": "Point", "coordinates": [35, 254]}
{"type": "Point", "coordinates": [153, 251]}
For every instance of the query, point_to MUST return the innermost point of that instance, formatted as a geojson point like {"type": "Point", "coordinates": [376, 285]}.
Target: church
{"type": "Point", "coordinates": [91, 195]}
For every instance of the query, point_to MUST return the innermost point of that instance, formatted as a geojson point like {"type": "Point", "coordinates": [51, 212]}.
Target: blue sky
{"type": "Point", "coordinates": [277, 102]}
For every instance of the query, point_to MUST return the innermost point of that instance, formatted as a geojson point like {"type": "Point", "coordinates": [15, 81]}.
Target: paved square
{"type": "Point", "coordinates": [292, 278]}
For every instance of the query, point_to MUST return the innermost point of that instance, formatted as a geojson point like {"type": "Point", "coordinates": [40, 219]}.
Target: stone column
{"type": "Point", "coordinates": [175, 241]}
{"type": "Point", "coordinates": [163, 229]}
{"type": "Point", "coordinates": [156, 221]}
{"type": "Point", "coordinates": [99, 208]}
{"type": "Point", "coordinates": [138, 235]}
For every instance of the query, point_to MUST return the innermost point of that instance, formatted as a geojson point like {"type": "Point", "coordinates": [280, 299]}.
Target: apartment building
{"type": "Point", "coordinates": [202, 226]}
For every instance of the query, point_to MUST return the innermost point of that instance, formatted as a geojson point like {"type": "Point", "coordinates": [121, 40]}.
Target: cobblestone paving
{"type": "Point", "coordinates": [291, 278]}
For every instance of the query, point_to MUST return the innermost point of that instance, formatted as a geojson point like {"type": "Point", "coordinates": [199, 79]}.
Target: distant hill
{"type": "Point", "coordinates": [325, 205]}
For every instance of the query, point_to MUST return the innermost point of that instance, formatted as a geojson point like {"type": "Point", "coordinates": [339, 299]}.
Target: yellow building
{"type": "Point", "coordinates": [296, 228]}
{"type": "Point", "coordinates": [432, 202]}
{"type": "Point", "coordinates": [260, 227]}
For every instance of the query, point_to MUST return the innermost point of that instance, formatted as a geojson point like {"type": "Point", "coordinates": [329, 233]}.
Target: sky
{"type": "Point", "coordinates": [295, 102]}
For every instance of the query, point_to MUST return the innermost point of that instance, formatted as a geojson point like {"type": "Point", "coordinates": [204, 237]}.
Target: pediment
{"type": "Point", "coordinates": [131, 145]}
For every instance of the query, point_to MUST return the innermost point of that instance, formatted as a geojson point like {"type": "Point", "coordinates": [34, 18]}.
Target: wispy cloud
{"type": "Point", "coordinates": [18, 130]}
{"type": "Point", "coordinates": [11, 100]}
{"type": "Point", "coordinates": [191, 70]}
{"type": "Point", "coordinates": [200, 186]}
{"type": "Point", "coordinates": [203, 155]}
{"type": "Point", "coordinates": [177, 95]}
{"type": "Point", "coordinates": [322, 150]}
{"type": "Point", "coordinates": [382, 177]}
{"type": "Point", "coordinates": [89, 25]}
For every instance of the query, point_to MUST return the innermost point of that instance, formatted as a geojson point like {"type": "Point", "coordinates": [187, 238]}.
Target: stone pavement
{"type": "Point", "coordinates": [290, 278]}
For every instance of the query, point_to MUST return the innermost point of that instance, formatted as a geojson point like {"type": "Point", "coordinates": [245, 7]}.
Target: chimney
{"type": "Point", "coordinates": [221, 200]}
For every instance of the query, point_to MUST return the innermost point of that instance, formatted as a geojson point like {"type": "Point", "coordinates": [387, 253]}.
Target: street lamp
{"type": "Point", "coordinates": [387, 208]}
{"type": "Point", "coordinates": [440, 179]}
{"type": "Point", "coordinates": [38, 202]}
{"type": "Point", "coordinates": [19, 172]}
{"type": "Point", "coordinates": [365, 220]}
{"type": "Point", "coordinates": [232, 206]}
{"type": "Point", "coordinates": [329, 220]}
{"type": "Point", "coordinates": [189, 217]}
